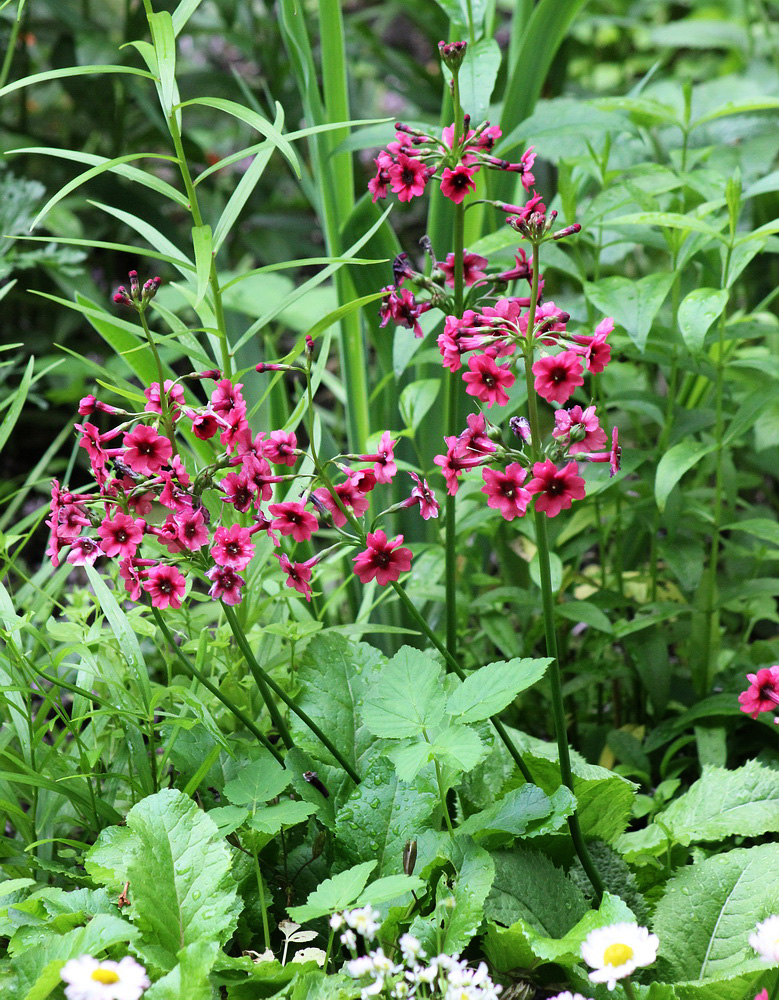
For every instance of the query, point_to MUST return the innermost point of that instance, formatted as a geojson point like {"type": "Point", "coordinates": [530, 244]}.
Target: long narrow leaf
{"type": "Point", "coordinates": [19, 397]}
{"type": "Point", "coordinates": [164, 40]}
{"type": "Point", "coordinates": [153, 236]}
{"type": "Point", "coordinates": [182, 14]}
{"type": "Point", "coordinates": [176, 261]}
{"type": "Point", "coordinates": [203, 246]}
{"type": "Point", "coordinates": [68, 71]}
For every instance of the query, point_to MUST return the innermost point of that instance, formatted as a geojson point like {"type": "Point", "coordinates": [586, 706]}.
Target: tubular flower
{"type": "Point", "coordinates": [121, 536]}
{"type": "Point", "coordinates": [556, 488]}
{"type": "Point", "coordinates": [166, 586]}
{"type": "Point", "coordinates": [293, 519]}
{"type": "Point", "coordinates": [504, 490]}
{"type": "Point", "coordinates": [382, 559]}
{"type": "Point", "coordinates": [232, 547]}
{"type": "Point", "coordinates": [225, 584]}
{"type": "Point", "coordinates": [488, 381]}
{"type": "Point", "coordinates": [298, 574]}
{"type": "Point", "coordinates": [762, 695]}
{"type": "Point", "coordinates": [557, 377]}
{"type": "Point", "coordinates": [579, 430]}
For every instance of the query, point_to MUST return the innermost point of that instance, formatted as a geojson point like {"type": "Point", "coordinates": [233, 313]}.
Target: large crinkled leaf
{"type": "Point", "coordinates": [522, 812]}
{"type": "Point", "coordinates": [528, 886]}
{"type": "Point", "coordinates": [522, 945]}
{"type": "Point", "coordinates": [723, 803]}
{"type": "Point", "coordinates": [407, 698]}
{"type": "Point", "coordinates": [490, 689]}
{"type": "Point", "coordinates": [709, 909]}
{"type": "Point", "coordinates": [190, 977]}
{"type": "Point", "coordinates": [179, 872]}
{"type": "Point", "coordinates": [334, 676]}
{"type": "Point", "coordinates": [380, 815]}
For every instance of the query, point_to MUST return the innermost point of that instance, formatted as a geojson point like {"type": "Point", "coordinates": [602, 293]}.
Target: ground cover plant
{"type": "Point", "coordinates": [389, 529]}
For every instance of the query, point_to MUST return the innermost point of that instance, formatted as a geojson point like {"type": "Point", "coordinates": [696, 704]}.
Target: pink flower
{"type": "Point", "coordinates": [556, 488]}
{"type": "Point", "coordinates": [488, 137]}
{"type": "Point", "coordinates": [422, 494]}
{"type": "Point", "coordinates": [83, 552]}
{"type": "Point", "coordinates": [146, 451]}
{"type": "Point", "coordinates": [762, 695]}
{"type": "Point", "coordinates": [455, 184]}
{"type": "Point", "coordinates": [762, 995]}
{"type": "Point", "coordinates": [121, 536]}
{"type": "Point", "coordinates": [226, 397]}
{"type": "Point", "coordinates": [505, 492]}
{"type": "Point", "coordinates": [403, 309]}
{"type": "Point", "coordinates": [408, 177]}
{"type": "Point", "coordinates": [238, 491]}
{"type": "Point", "coordinates": [527, 160]}
{"type": "Point", "coordinates": [175, 398]}
{"type": "Point", "coordinates": [449, 340]}
{"type": "Point", "coordinates": [134, 572]}
{"type": "Point", "coordinates": [293, 519]}
{"type": "Point", "coordinates": [579, 430]}
{"type": "Point", "coordinates": [472, 268]}
{"type": "Point", "coordinates": [382, 559]}
{"type": "Point", "coordinates": [192, 530]}
{"type": "Point", "coordinates": [378, 185]}
{"type": "Point", "coordinates": [205, 425]}
{"type": "Point", "coordinates": [558, 376]}
{"type": "Point", "coordinates": [488, 381]}
{"type": "Point", "coordinates": [385, 467]}
{"type": "Point", "coordinates": [351, 494]}
{"type": "Point", "coordinates": [168, 535]}
{"type": "Point", "coordinates": [280, 447]}
{"type": "Point", "coordinates": [613, 457]}
{"type": "Point", "coordinates": [298, 574]}
{"type": "Point", "coordinates": [92, 440]}
{"type": "Point", "coordinates": [456, 461]}
{"type": "Point", "coordinates": [225, 584]}
{"type": "Point", "coordinates": [595, 351]}
{"type": "Point", "coordinates": [232, 547]}
{"type": "Point", "coordinates": [166, 586]}
{"type": "Point", "coordinates": [474, 437]}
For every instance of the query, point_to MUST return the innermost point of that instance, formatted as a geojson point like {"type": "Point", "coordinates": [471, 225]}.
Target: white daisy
{"type": "Point", "coordinates": [567, 995]}
{"type": "Point", "coordinates": [365, 921]}
{"type": "Point", "coordinates": [765, 939]}
{"type": "Point", "coordinates": [89, 979]}
{"type": "Point", "coordinates": [616, 951]}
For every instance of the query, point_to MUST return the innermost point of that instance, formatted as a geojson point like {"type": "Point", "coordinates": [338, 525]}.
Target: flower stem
{"type": "Point", "coordinates": [627, 986]}
{"type": "Point", "coordinates": [227, 702]}
{"type": "Point", "coordinates": [263, 905]}
{"type": "Point", "coordinates": [264, 681]}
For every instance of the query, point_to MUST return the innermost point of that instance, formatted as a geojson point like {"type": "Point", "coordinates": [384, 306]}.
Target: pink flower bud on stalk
{"type": "Point", "coordinates": [452, 54]}
{"type": "Point", "coordinates": [138, 297]}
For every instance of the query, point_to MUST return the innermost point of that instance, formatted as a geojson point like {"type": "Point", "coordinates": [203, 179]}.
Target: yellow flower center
{"type": "Point", "coordinates": [617, 954]}
{"type": "Point", "coordinates": [105, 976]}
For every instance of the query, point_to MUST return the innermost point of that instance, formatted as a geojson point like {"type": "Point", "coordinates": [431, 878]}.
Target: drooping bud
{"type": "Point", "coordinates": [452, 54]}
{"type": "Point", "coordinates": [401, 269]}
{"type": "Point", "coordinates": [309, 345]}
{"type": "Point", "coordinates": [568, 231]}
{"type": "Point", "coordinates": [409, 856]}
{"type": "Point", "coordinates": [313, 779]}
{"type": "Point", "coordinates": [520, 428]}
{"type": "Point", "coordinates": [212, 373]}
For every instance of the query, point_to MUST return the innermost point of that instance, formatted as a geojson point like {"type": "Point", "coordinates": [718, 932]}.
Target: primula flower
{"type": "Point", "coordinates": [762, 995]}
{"type": "Point", "coordinates": [385, 467]}
{"type": "Point", "coordinates": [595, 351]}
{"type": "Point", "coordinates": [472, 268]}
{"type": "Point", "coordinates": [456, 461]}
{"type": "Point", "coordinates": [166, 586]}
{"type": "Point", "coordinates": [616, 951]}
{"type": "Point", "coordinates": [134, 572]}
{"type": "Point", "coordinates": [225, 584]}
{"type": "Point", "coordinates": [146, 451]}
{"type": "Point", "coordinates": [232, 547]}
{"type": "Point", "coordinates": [558, 376]}
{"type": "Point", "coordinates": [403, 309]}
{"type": "Point", "coordinates": [527, 160]}
{"type": "Point", "coordinates": [298, 574]}
{"type": "Point", "coordinates": [579, 430]}
{"type": "Point", "coordinates": [488, 381]}
{"type": "Point", "coordinates": [205, 425]}
{"type": "Point", "coordinates": [408, 177]}
{"type": "Point", "coordinates": [382, 559]}
{"type": "Point", "coordinates": [378, 185]}
{"type": "Point", "coordinates": [504, 490]}
{"type": "Point", "coordinates": [293, 519]}
{"type": "Point", "coordinates": [762, 695]}
{"type": "Point", "coordinates": [455, 184]}
{"type": "Point", "coordinates": [765, 939]}
{"type": "Point", "coordinates": [280, 447]}
{"type": "Point", "coordinates": [90, 979]}
{"type": "Point", "coordinates": [121, 536]}
{"type": "Point", "coordinates": [556, 488]}
{"type": "Point", "coordinates": [83, 552]}
{"type": "Point", "coordinates": [192, 530]}
{"type": "Point", "coordinates": [175, 398]}
{"type": "Point", "coordinates": [422, 494]}
{"type": "Point", "coordinates": [613, 457]}
{"type": "Point", "coordinates": [238, 491]}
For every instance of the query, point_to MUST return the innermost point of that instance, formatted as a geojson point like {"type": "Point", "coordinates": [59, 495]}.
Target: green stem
{"type": "Point", "coordinates": [264, 681]}
{"type": "Point", "coordinates": [167, 419]}
{"type": "Point", "coordinates": [230, 705]}
{"type": "Point", "coordinates": [263, 905]}
{"type": "Point", "coordinates": [627, 986]}
{"type": "Point", "coordinates": [10, 49]}
{"type": "Point", "coordinates": [441, 790]}
{"type": "Point", "coordinates": [547, 601]}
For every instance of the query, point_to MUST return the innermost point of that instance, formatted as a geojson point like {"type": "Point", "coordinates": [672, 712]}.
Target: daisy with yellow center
{"type": "Point", "coordinates": [89, 979]}
{"type": "Point", "coordinates": [616, 951]}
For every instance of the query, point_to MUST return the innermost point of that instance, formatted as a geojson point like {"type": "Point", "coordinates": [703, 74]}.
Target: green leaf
{"type": "Point", "coordinates": [380, 815]}
{"type": "Point", "coordinates": [523, 944]}
{"type": "Point", "coordinates": [722, 803]}
{"type": "Point", "coordinates": [522, 812]}
{"type": "Point", "coordinates": [478, 74]}
{"type": "Point", "coordinates": [416, 400]}
{"type": "Point", "coordinates": [728, 894]}
{"type": "Point", "coordinates": [459, 747]}
{"type": "Point", "coordinates": [670, 220]}
{"type": "Point", "coordinates": [758, 527]}
{"type": "Point", "coordinates": [385, 889]}
{"type": "Point", "coordinates": [164, 40]}
{"type": "Point", "coordinates": [584, 611]}
{"type": "Point", "coordinates": [345, 670]}
{"type": "Point", "coordinates": [409, 757]}
{"type": "Point", "coordinates": [179, 870]}
{"type": "Point", "coordinates": [490, 689]}
{"type": "Point", "coordinates": [633, 304]}
{"type": "Point", "coordinates": [333, 894]}
{"type": "Point", "coordinates": [258, 782]}
{"type": "Point", "coordinates": [409, 697]}
{"type": "Point", "coordinates": [255, 121]}
{"type": "Point", "coordinates": [738, 107]}
{"type": "Point", "coordinates": [528, 886]}
{"type": "Point", "coordinates": [182, 14]}
{"type": "Point", "coordinates": [697, 312]}
{"type": "Point", "coordinates": [202, 244]}
{"type": "Point", "coordinates": [190, 978]}
{"type": "Point", "coordinates": [271, 819]}
{"type": "Point", "coordinates": [124, 632]}
{"type": "Point", "coordinates": [673, 465]}
{"type": "Point", "coordinates": [17, 403]}
{"type": "Point", "coordinates": [68, 71]}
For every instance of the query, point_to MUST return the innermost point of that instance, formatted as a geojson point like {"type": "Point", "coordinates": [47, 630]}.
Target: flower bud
{"type": "Point", "coordinates": [452, 54]}
{"type": "Point", "coordinates": [212, 373]}
{"type": "Point", "coordinates": [409, 856]}
{"type": "Point", "coordinates": [568, 231]}
{"type": "Point", "coordinates": [520, 428]}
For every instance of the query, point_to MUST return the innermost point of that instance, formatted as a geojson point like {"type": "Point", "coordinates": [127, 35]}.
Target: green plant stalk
{"type": "Point", "coordinates": [227, 702]}
{"type": "Point", "coordinates": [441, 790]}
{"type": "Point", "coordinates": [10, 48]}
{"type": "Point", "coordinates": [264, 681]}
{"type": "Point", "coordinates": [627, 986]}
{"type": "Point", "coordinates": [547, 601]}
{"type": "Point", "coordinates": [167, 420]}
{"type": "Point", "coordinates": [263, 904]}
